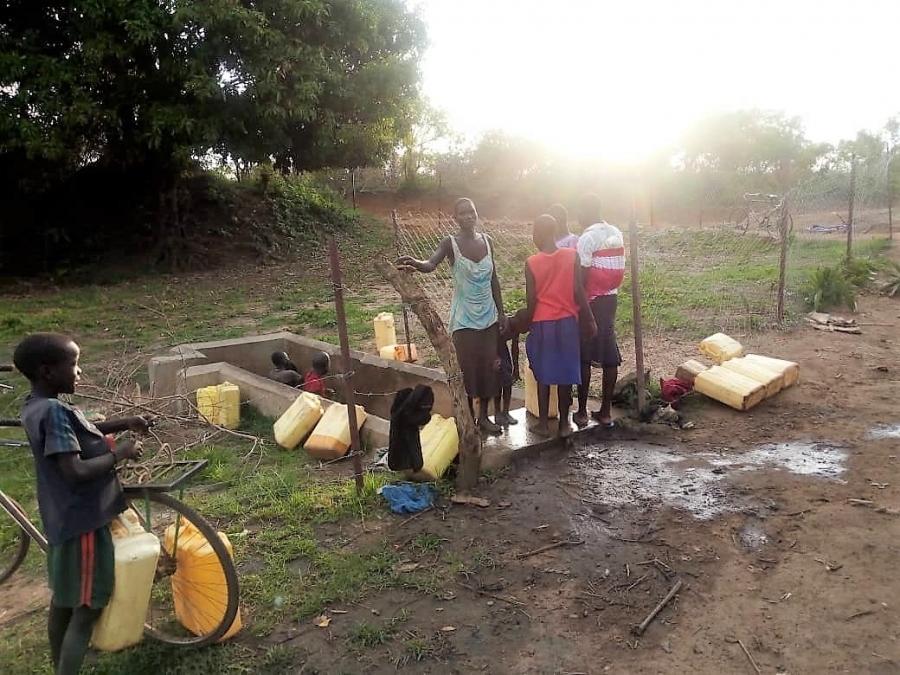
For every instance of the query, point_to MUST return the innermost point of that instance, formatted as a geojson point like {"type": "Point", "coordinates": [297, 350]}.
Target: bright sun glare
{"type": "Point", "coordinates": [620, 80]}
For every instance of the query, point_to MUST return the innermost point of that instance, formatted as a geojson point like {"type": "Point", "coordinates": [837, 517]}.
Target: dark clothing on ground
{"type": "Point", "coordinates": [410, 411]}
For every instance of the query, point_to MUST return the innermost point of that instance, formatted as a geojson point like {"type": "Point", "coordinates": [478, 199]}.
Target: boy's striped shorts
{"type": "Point", "coordinates": [81, 570]}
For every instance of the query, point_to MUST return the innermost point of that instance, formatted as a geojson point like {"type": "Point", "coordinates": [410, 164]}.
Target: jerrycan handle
{"type": "Point", "coordinates": [131, 528]}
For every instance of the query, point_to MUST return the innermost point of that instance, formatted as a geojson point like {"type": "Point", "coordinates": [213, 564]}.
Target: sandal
{"type": "Point", "coordinates": [604, 425]}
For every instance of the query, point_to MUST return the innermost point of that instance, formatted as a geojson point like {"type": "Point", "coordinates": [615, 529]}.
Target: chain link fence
{"type": "Point", "coordinates": [692, 280]}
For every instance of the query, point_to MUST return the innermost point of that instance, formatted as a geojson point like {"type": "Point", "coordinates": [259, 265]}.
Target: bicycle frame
{"type": "Point", "coordinates": [14, 512]}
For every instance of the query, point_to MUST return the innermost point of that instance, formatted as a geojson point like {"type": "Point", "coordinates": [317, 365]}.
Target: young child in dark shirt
{"type": "Point", "coordinates": [285, 371]}
{"type": "Point", "coordinates": [508, 357]}
{"type": "Point", "coordinates": [78, 492]}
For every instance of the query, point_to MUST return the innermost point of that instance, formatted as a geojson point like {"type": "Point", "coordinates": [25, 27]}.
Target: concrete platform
{"type": "Point", "coordinates": [517, 441]}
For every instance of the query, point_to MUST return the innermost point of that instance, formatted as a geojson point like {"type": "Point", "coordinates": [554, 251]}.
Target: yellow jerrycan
{"type": "Point", "coordinates": [199, 588]}
{"type": "Point", "coordinates": [297, 421]}
{"type": "Point", "coordinates": [385, 334]}
{"type": "Point", "coordinates": [220, 404]}
{"type": "Point", "coordinates": [721, 348]}
{"type": "Point", "coordinates": [331, 437]}
{"type": "Point", "coordinates": [531, 400]}
{"type": "Point", "coordinates": [121, 624]}
{"type": "Point", "coordinates": [440, 445]}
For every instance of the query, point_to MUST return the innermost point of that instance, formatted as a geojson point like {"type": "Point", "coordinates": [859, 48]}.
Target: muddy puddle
{"type": "Point", "coordinates": [881, 432]}
{"type": "Point", "coordinates": [645, 476]}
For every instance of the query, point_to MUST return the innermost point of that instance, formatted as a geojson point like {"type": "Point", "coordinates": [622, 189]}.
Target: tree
{"type": "Point", "coordinates": [416, 149]}
{"type": "Point", "coordinates": [313, 83]}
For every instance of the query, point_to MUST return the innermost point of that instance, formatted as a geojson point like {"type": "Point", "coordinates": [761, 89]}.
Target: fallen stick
{"type": "Point", "coordinates": [752, 662]}
{"type": "Point", "coordinates": [878, 508]}
{"type": "Point", "coordinates": [639, 630]}
{"type": "Point", "coordinates": [549, 547]}
{"type": "Point", "coordinates": [636, 582]}
{"type": "Point", "coordinates": [511, 601]}
{"type": "Point", "coordinates": [866, 612]}
{"type": "Point", "coordinates": [470, 500]}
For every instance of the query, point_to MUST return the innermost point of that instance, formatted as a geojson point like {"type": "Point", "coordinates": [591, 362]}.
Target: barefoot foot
{"type": "Point", "coordinates": [540, 429]}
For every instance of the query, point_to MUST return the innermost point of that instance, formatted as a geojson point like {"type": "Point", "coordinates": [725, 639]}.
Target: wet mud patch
{"type": "Point", "coordinates": [649, 477]}
{"type": "Point", "coordinates": [882, 432]}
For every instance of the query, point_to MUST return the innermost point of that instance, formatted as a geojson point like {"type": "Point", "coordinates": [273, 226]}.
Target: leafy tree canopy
{"type": "Point", "coordinates": [124, 83]}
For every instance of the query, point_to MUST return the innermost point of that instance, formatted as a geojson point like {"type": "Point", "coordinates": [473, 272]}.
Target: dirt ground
{"type": "Point", "coordinates": [750, 511]}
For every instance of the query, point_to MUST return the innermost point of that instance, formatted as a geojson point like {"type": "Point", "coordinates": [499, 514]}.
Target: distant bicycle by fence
{"type": "Point", "coordinates": [764, 212]}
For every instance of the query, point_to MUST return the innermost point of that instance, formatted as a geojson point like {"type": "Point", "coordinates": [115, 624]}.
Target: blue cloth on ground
{"type": "Point", "coordinates": [408, 497]}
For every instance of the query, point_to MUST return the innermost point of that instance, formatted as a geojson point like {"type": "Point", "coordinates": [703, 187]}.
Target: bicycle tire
{"type": "Point", "coordinates": [18, 549]}
{"type": "Point", "coordinates": [137, 501]}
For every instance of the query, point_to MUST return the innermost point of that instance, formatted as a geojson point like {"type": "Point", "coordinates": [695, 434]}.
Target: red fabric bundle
{"type": "Point", "coordinates": [673, 390]}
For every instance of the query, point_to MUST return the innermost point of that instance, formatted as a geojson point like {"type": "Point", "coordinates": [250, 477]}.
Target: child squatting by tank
{"type": "Point", "coordinates": [78, 492]}
{"type": "Point", "coordinates": [286, 372]}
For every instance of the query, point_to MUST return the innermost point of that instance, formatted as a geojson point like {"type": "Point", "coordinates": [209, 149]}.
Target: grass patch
{"type": "Point", "coordinates": [25, 652]}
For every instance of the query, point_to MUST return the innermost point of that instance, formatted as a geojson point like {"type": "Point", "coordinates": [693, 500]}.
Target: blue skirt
{"type": "Point", "coordinates": [554, 351]}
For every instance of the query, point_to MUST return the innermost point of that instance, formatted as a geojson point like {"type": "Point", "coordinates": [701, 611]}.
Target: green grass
{"type": "Point", "coordinates": [285, 517]}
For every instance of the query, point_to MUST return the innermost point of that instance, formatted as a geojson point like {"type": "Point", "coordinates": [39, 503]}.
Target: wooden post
{"type": "Point", "coordinates": [852, 200]}
{"type": "Point", "coordinates": [469, 438]}
{"type": "Point", "coordinates": [396, 221]}
{"type": "Point", "coordinates": [345, 353]}
{"type": "Point", "coordinates": [636, 306]}
{"type": "Point", "coordinates": [783, 232]}
{"type": "Point", "coordinates": [782, 260]}
{"type": "Point", "coordinates": [440, 191]}
{"type": "Point", "coordinates": [890, 194]}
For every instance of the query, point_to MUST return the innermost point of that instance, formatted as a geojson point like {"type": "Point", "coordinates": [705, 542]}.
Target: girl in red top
{"type": "Point", "coordinates": [555, 295]}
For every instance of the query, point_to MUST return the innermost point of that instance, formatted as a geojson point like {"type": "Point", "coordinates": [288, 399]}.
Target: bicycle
{"type": "Point", "coordinates": [175, 581]}
{"type": "Point", "coordinates": [767, 219]}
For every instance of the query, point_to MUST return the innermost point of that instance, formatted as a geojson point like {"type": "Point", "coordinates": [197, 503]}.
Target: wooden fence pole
{"type": "Point", "coordinates": [890, 194]}
{"type": "Point", "coordinates": [783, 232]}
{"type": "Point", "coordinates": [636, 307]}
{"type": "Point", "coordinates": [355, 446]}
{"type": "Point", "coordinates": [852, 203]}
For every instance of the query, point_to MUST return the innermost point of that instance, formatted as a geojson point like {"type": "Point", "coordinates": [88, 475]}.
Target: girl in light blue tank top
{"type": "Point", "coordinates": [473, 303]}
{"type": "Point", "coordinates": [476, 313]}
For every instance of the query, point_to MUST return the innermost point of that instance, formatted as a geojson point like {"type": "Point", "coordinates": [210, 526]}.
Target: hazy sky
{"type": "Point", "coordinates": [618, 78]}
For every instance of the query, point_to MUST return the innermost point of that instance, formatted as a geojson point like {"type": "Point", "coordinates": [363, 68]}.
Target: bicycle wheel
{"type": "Point", "coordinates": [14, 544]}
{"type": "Point", "coordinates": [200, 592]}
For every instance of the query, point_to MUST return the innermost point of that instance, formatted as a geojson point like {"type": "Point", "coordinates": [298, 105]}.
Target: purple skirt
{"type": "Point", "coordinates": [554, 351]}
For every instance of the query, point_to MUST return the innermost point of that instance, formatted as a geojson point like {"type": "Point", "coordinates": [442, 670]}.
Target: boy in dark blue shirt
{"type": "Point", "coordinates": [78, 492]}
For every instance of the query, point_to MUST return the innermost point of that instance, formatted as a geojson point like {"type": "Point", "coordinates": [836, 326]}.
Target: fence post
{"type": "Point", "coordinates": [852, 200]}
{"type": "Point", "coordinates": [890, 194]}
{"type": "Point", "coordinates": [783, 234]}
{"type": "Point", "coordinates": [440, 191]}
{"type": "Point", "coordinates": [355, 447]}
{"type": "Point", "coordinates": [353, 186]}
{"type": "Point", "coordinates": [782, 259]}
{"type": "Point", "coordinates": [396, 221]}
{"type": "Point", "coordinates": [636, 308]}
